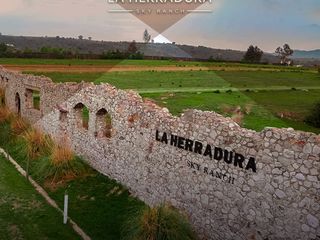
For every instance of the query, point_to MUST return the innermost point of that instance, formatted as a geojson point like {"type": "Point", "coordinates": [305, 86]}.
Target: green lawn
{"type": "Point", "coordinates": [99, 205]}
{"type": "Point", "coordinates": [24, 214]}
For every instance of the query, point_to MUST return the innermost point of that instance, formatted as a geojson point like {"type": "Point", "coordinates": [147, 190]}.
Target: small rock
{"type": "Point", "coordinates": [280, 194]}
{"type": "Point", "coordinates": [305, 228]}
{"type": "Point", "coordinates": [312, 221]}
{"type": "Point", "coordinates": [307, 148]}
{"type": "Point", "coordinates": [300, 176]}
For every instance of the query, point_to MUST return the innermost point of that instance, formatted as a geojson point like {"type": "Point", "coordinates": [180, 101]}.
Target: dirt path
{"type": "Point", "coordinates": [124, 68]}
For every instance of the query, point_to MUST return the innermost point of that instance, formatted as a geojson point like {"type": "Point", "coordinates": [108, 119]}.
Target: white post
{"type": "Point", "coordinates": [65, 209]}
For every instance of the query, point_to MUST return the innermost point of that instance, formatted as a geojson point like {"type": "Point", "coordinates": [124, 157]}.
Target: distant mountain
{"type": "Point", "coordinates": [307, 54]}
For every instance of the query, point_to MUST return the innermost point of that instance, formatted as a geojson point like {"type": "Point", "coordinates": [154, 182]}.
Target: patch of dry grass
{"type": "Point", "coordinates": [5, 114]}
{"type": "Point", "coordinates": [36, 143]}
{"type": "Point", "coordinates": [18, 126]}
{"type": "Point", "coordinates": [61, 166]}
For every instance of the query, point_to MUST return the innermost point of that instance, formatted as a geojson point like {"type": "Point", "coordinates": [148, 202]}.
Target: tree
{"type": "Point", "coordinates": [132, 49]}
{"type": "Point", "coordinates": [3, 49]}
{"type": "Point", "coordinates": [80, 37]}
{"type": "Point", "coordinates": [146, 36]}
{"type": "Point", "coordinates": [253, 54]}
{"type": "Point", "coordinates": [284, 53]}
{"type": "Point", "coordinates": [314, 116]}
{"type": "Point", "coordinates": [90, 38]}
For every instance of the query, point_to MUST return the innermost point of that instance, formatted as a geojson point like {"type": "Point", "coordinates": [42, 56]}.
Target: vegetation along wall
{"type": "Point", "coordinates": [234, 183]}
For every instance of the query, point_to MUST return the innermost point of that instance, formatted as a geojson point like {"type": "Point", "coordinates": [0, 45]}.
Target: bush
{"type": "Point", "coordinates": [162, 222]}
{"type": "Point", "coordinates": [314, 117]}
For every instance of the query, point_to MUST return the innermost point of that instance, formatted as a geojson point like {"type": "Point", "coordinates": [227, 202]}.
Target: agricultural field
{"type": "Point", "coordinates": [267, 95]}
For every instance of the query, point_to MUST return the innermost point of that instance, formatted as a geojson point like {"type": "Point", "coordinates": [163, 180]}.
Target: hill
{"type": "Point", "coordinates": [307, 54]}
{"type": "Point", "coordinates": [150, 50]}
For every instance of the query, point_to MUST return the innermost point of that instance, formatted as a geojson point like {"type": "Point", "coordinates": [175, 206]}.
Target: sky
{"type": "Point", "coordinates": [232, 24]}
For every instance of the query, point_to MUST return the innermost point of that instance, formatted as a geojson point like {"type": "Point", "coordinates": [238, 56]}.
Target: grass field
{"type": "Point", "coordinates": [280, 96]}
{"type": "Point", "coordinates": [150, 63]}
{"type": "Point", "coordinates": [99, 205]}
{"type": "Point", "coordinates": [24, 214]}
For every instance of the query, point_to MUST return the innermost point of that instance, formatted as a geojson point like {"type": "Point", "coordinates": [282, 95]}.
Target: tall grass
{"type": "Point", "coordinates": [18, 126]}
{"type": "Point", "coordinates": [36, 143]}
{"type": "Point", "coordinates": [5, 114]}
{"type": "Point", "coordinates": [159, 223]}
{"type": "Point", "coordinates": [61, 165]}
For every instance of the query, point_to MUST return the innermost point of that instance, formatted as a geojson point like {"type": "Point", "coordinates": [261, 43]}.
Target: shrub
{"type": "Point", "coordinates": [36, 143]}
{"type": "Point", "coordinates": [62, 165]}
{"type": "Point", "coordinates": [314, 117]}
{"type": "Point", "coordinates": [18, 126]}
{"type": "Point", "coordinates": [162, 222]}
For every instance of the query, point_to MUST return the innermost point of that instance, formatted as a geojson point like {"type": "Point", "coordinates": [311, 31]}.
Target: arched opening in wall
{"type": "Point", "coordinates": [103, 124]}
{"type": "Point", "coordinates": [82, 116]}
{"type": "Point", "coordinates": [18, 104]}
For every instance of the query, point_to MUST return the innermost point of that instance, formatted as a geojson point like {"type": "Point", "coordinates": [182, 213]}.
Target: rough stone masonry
{"type": "Point", "coordinates": [234, 183]}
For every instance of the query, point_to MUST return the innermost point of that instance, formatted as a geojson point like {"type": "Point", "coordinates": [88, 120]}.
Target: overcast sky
{"type": "Point", "coordinates": [233, 24]}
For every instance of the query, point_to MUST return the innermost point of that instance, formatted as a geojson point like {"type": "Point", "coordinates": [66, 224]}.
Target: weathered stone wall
{"type": "Point", "coordinates": [234, 183]}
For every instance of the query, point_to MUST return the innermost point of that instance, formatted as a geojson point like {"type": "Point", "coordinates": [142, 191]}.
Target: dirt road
{"type": "Point", "coordinates": [123, 68]}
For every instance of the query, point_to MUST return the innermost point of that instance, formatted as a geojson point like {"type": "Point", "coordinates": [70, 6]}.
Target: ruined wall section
{"type": "Point", "coordinates": [20, 86]}
{"type": "Point", "coordinates": [234, 183]}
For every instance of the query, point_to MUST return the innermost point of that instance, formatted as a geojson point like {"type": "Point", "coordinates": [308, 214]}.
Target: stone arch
{"type": "Point", "coordinates": [18, 104]}
{"type": "Point", "coordinates": [82, 116]}
{"type": "Point", "coordinates": [103, 124]}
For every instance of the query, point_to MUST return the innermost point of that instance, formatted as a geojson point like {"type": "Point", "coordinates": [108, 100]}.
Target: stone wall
{"type": "Point", "coordinates": [234, 183]}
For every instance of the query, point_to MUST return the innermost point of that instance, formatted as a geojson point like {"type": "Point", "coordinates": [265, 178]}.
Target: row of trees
{"type": "Point", "coordinates": [131, 53]}
{"type": "Point", "coordinates": [254, 54]}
